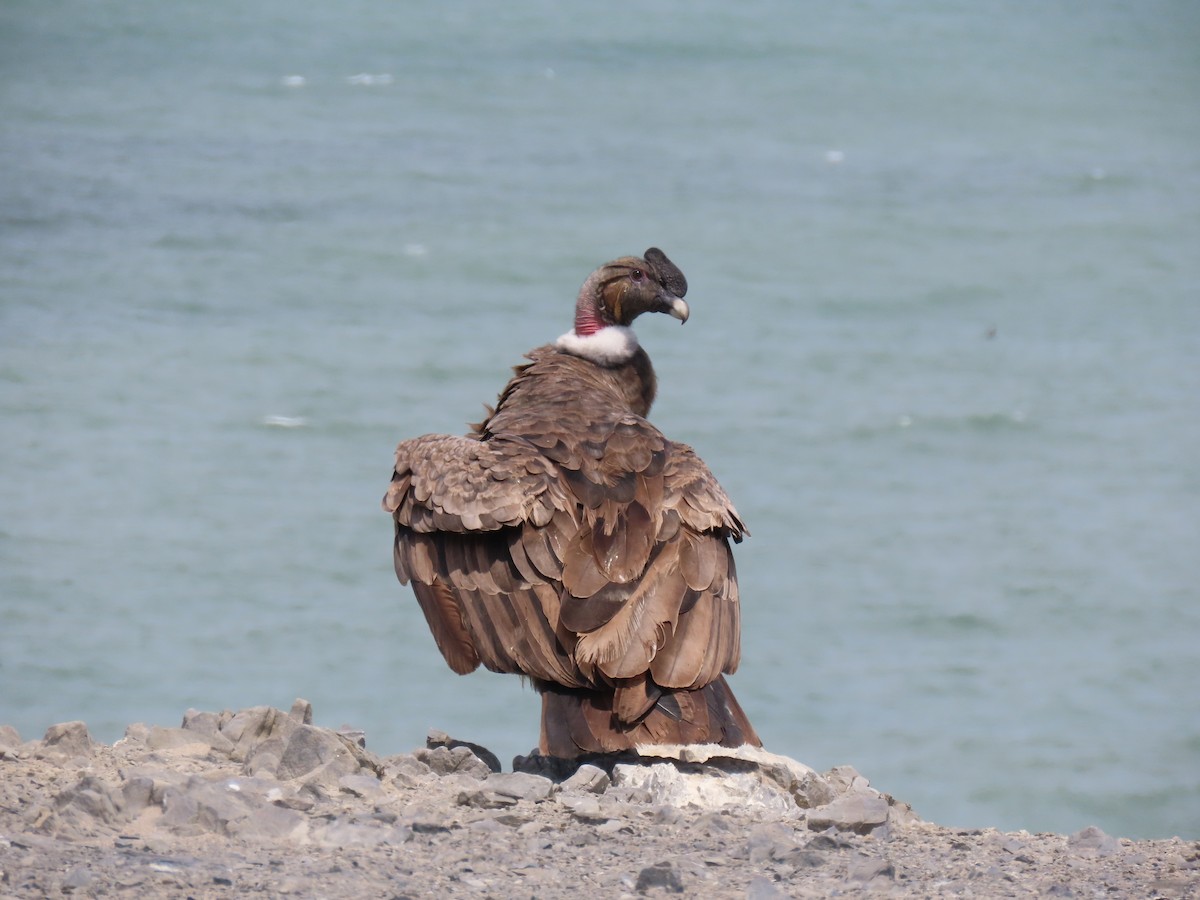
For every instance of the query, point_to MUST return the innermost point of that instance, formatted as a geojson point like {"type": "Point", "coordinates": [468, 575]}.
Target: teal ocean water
{"type": "Point", "coordinates": [944, 264]}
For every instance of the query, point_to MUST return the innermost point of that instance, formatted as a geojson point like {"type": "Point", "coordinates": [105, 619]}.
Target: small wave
{"type": "Point", "coordinates": [368, 80]}
{"type": "Point", "coordinates": [284, 421]}
{"type": "Point", "coordinates": [951, 624]}
{"type": "Point", "coordinates": [361, 79]}
{"type": "Point", "coordinates": [1012, 421]}
{"type": "Point", "coordinates": [994, 421]}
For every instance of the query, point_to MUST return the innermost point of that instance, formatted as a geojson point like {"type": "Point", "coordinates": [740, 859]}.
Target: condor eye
{"type": "Point", "coordinates": [636, 275]}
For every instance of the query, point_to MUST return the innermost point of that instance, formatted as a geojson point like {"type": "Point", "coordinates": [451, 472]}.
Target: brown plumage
{"type": "Point", "coordinates": [567, 540]}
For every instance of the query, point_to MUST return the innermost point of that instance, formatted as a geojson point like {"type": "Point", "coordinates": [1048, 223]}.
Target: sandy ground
{"type": "Point", "coordinates": [261, 801]}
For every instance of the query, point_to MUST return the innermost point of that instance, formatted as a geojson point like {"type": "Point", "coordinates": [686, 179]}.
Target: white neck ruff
{"type": "Point", "coordinates": [613, 345]}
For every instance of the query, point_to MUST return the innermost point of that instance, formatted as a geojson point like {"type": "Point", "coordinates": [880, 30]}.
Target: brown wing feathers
{"type": "Point", "coordinates": [446, 622]}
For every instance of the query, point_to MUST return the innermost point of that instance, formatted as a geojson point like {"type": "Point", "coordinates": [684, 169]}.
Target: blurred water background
{"type": "Point", "coordinates": [944, 262]}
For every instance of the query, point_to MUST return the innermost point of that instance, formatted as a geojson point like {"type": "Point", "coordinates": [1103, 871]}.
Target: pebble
{"type": "Point", "coordinates": [661, 875]}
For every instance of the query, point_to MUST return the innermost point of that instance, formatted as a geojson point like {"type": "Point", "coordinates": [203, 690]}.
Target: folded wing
{"type": "Point", "coordinates": [595, 556]}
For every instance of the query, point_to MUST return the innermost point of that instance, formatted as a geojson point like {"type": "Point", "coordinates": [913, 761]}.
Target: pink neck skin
{"type": "Point", "coordinates": [587, 322]}
{"type": "Point", "coordinates": [587, 313]}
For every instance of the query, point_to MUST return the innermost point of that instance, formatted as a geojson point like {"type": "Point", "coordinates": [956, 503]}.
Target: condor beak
{"type": "Point", "coordinates": [677, 307]}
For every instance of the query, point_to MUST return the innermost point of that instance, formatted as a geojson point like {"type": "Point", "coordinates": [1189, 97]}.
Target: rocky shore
{"type": "Point", "coordinates": [263, 801]}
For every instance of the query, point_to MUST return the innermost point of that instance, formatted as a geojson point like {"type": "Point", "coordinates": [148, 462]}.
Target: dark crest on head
{"type": "Point", "coordinates": [666, 272]}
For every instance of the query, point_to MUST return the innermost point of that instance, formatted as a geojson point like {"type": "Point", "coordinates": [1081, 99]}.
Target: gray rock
{"type": "Point", "coordinates": [270, 823]}
{"type": "Point", "coordinates": [844, 779]}
{"type": "Point", "coordinates": [437, 738]}
{"type": "Point", "coordinates": [341, 833]}
{"type": "Point", "coordinates": [207, 727]}
{"type": "Point", "coordinates": [1010, 844]}
{"type": "Point", "coordinates": [452, 784]}
{"type": "Point", "coordinates": [247, 723]}
{"type": "Point", "coordinates": [775, 843]}
{"type": "Point", "coordinates": [660, 875]}
{"type": "Point", "coordinates": [633, 795]}
{"type": "Point", "coordinates": [807, 787]}
{"type": "Point", "coordinates": [502, 791]}
{"type": "Point", "coordinates": [1091, 841]}
{"type": "Point", "coordinates": [588, 779]}
{"type": "Point", "coordinates": [250, 728]}
{"type": "Point", "coordinates": [453, 760]}
{"type": "Point", "coordinates": [405, 769]}
{"type": "Point", "coordinates": [861, 813]}
{"type": "Point", "coordinates": [180, 811]}
{"type": "Point", "coordinates": [178, 741]}
{"type": "Point", "coordinates": [520, 786]}
{"type": "Point", "coordinates": [779, 778]}
{"type": "Point", "coordinates": [558, 769]}
{"type": "Point", "coordinates": [322, 782]}
{"type": "Point", "coordinates": [769, 841]}
{"type": "Point", "coordinates": [484, 799]}
{"type": "Point", "coordinates": [900, 813]}
{"type": "Point", "coordinates": [585, 808]}
{"type": "Point", "coordinates": [79, 878]}
{"type": "Point", "coordinates": [92, 797]}
{"type": "Point", "coordinates": [366, 787]}
{"type": "Point", "coordinates": [301, 801]}
{"type": "Point", "coordinates": [428, 823]}
{"type": "Point", "coordinates": [705, 787]}
{"type": "Point", "coordinates": [9, 738]}
{"type": "Point", "coordinates": [213, 806]}
{"type": "Point", "coordinates": [763, 888]}
{"type": "Point", "coordinates": [613, 826]}
{"type": "Point", "coordinates": [301, 711]}
{"type": "Point", "coordinates": [515, 819]}
{"type": "Point", "coordinates": [137, 794]}
{"type": "Point", "coordinates": [486, 826]}
{"type": "Point", "coordinates": [309, 748]}
{"type": "Point", "coordinates": [136, 733]}
{"type": "Point", "coordinates": [802, 858]}
{"type": "Point", "coordinates": [715, 823]}
{"type": "Point", "coordinates": [144, 787]}
{"type": "Point", "coordinates": [264, 757]}
{"type": "Point", "coordinates": [826, 843]}
{"type": "Point", "coordinates": [867, 868]}
{"type": "Point", "coordinates": [64, 741]}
